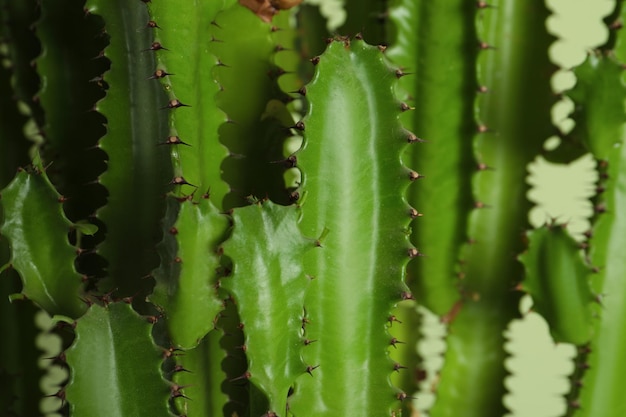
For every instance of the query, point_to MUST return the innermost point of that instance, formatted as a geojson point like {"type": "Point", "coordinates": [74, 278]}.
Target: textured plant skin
{"type": "Point", "coordinates": [190, 79]}
{"type": "Point", "coordinates": [436, 45]}
{"type": "Point", "coordinates": [36, 229]}
{"type": "Point", "coordinates": [557, 278]}
{"type": "Point", "coordinates": [187, 280]}
{"type": "Point", "coordinates": [600, 125]}
{"type": "Point", "coordinates": [137, 169]}
{"type": "Point", "coordinates": [514, 43]}
{"type": "Point", "coordinates": [267, 268]}
{"type": "Point", "coordinates": [357, 278]}
{"type": "Point", "coordinates": [197, 120]}
{"type": "Point", "coordinates": [202, 376]}
{"type": "Point", "coordinates": [408, 364]}
{"type": "Point", "coordinates": [187, 285]}
{"type": "Point", "coordinates": [115, 365]}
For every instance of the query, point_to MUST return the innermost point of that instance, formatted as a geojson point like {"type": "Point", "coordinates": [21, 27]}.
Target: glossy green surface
{"type": "Point", "coordinates": [557, 279]}
{"type": "Point", "coordinates": [203, 377]}
{"type": "Point", "coordinates": [435, 44]}
{"type": "Point", "coordinates": [186, 288]}
{"type": "Point", "coordinates": [268, 284]}
{"type": "Point", "coordinates": [185, 31]}
{"type": "Point", "coordinates": [36, 229]}
{"type": "Point", "coordinates": [115, 366]}
{"type": "Point", "coordinates": [352, 195]}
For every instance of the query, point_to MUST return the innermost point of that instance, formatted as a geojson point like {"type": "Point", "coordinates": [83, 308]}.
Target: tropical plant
{"type": "Point", "coordinates": [218, 226]}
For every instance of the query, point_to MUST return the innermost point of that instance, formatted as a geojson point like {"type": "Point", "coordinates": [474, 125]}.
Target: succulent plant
{"type": "Point", "coordinates": [229, 211]}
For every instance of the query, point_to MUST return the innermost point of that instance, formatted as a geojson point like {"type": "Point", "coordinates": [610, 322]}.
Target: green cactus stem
{"type": "Point", "coordinates": [186, 70]}
{"type": "Point", "coordinates": [353, 185]}
{"type": "Point", "coordinates": [268, 285]}
{"type": "Point", "coordinates": [137, 168]}
{"type": "Point", "coordinates": [199, 371]}
{"type": "Point", "coordinates": [513, 120]}
{"type": "Point", "coordinates": [599, 97]}
{"type": "Point", "coordinates": [36, 229]}
{"type": "Point", "coordinates": [115, 366]}
{"type": "Point", "coordinates": [68, 66]}
{"type": "Point", "coordinates": [435, 44]}
{"type": "Point", "coordinates": [557, 279]}
{"type": "Point", "coordinates": [187, 279]}
{"type": "Point", "coordinates": [187, 283]}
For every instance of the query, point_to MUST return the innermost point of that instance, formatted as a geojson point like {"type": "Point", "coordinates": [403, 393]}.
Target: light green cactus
{"type": "Point", "coordinates": [221, 227]}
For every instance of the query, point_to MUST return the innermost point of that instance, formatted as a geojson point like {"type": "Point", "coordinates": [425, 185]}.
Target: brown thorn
{"type": "Point", "coordinates": [156, 46]}
{"type": "Point", "coordinates": [406, 296]}
{"type": "Point", "coordinates": [159, 73]}
{"type": "Point", "coordinates": [310, 369]}
{"type": "Point", "coordinates": [414, 213]}
{"type": "Point", "coordinates": [393, 342]}
{"type": "Point", "coordinates": [412, 138]}
{"type": "Point", "coordinates": [405, 107]}
{"type": "Point", "coordinates": [397, 367]}
{"type": "Point", "coordinates": [315, 60]}
{"type": "Point", "coordinates": [414, 176]}
{"type": "Point", "coordinates": [180, 181]}
{"type": "Point", "coordinates": [413, 252]}
{"type": "Point", "coordinates": [174, 104]}
{"type": "Point", "coordinates": [246, 375]}
{"type": "Point", "coordinates": [174, 140]}
{"type": "Point", "coordinates": [152, 24]}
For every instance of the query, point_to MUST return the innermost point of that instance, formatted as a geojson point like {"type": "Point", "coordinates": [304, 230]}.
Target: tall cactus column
{"type": "Point", "coordinates": [353, 185]}
{"type": "Point", "coordinates": [435, 43]}
{"type": "Point", "coordinates": [600, 96]}
{"type": "Point", "coordinates": [513, 117]}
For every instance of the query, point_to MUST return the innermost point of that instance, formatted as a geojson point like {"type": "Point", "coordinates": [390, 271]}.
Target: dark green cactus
{"type": "Point", "coordinates": [221, 227]}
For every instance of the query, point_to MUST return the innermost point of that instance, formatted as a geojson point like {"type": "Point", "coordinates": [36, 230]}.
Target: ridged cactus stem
{"type": "Point", "coordinates": [435, 45]}
{"type": "Point", "coordinates": [600, 95]}
{"type": "Point", "coordinates": [352, 131]}
{"type": "Point", "coordinates": [513, 120]}
{"type": "Point", "coordinates": [137, 170]}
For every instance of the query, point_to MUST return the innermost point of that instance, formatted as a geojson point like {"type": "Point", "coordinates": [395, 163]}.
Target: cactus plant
{"type": "Point", "coordinates": [220, 227]}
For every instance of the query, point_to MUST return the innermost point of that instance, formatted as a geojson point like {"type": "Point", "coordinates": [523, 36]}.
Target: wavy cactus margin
{"type": "Point", "coordinates": [177, 126]}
